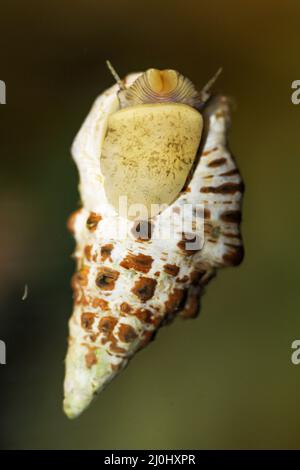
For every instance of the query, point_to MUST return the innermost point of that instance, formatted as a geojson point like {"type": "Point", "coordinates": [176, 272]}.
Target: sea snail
{"type": "Point", "coordinates": [155, 141]}
{"type": "Point", "coordinates": [152, 140]}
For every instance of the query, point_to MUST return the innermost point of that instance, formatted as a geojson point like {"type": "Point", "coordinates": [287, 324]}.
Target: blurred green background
{"type": "Point", "coordinates": [224, 380]}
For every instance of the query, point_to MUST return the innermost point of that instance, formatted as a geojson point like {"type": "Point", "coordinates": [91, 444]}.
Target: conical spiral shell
{"type": "Point", "coordinates": [125, 289]}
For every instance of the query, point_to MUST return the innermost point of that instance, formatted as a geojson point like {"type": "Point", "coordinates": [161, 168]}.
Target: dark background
{"type": "Point", "coordinates": [226, 379]}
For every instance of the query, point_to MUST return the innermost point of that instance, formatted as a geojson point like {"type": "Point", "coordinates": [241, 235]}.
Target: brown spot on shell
{"type": "Point", "coordinates": [195, 276]}
{"type": "Point", "coordinates": [174, 302]}
{"type": "Point", "coordinates": [101, 303]}
{"type": "Point", "coordinates": [88, 252]}
{"type": "Point", "coordinates": [220, 114]}
{"type": "Point", "coordinates": [225, 188]}
{"type": "Point", "coordinates": [106, 251]}
{"type": "Point", "coordinates": [116, 349]}
{"type": "Point", "coordinates": [107, 324]}
{"type": "Point", "coordinates": [234, 256]}
{"type": "Point", "coordinates": [87, 320]}
{"type": "Point", "coordinates": [93, 337]}
{"type": "Point", "coordinates": [207, 228]}
{"type": "Point", "coordinates": [191, 309]}
{"type": "Point", "coordinates": [82, 276]}
{"type": "Point", "coordinates": [231, 217]}
{"type": "Point", "coordinates": [125, 307]}
{"type": "Point", "coordinates": [230, 235]}
{"type": "Point", "coordinates": [176, 210]}
{"type": "Point", "coordinates": [207, 152]}
{"type": "Point", "coordinates": [232, 172]}
{"type": "Point", "coordinates": [140, 262]}
{"type": "Point", "coordinates": [106, 278]}
{"type": "Point", "coordinates": [127, 333]}
{"type": "Point", "coordinates": [171, 269]}
{"type": "Point", "coordinates": [183, 279]}
{"type": "Point", "coordinates": [90, 359]}
{"type": "Point", "coordinates": [144, 315]}
{"type": "Point", "coordinates": [206, 213]}
{"type": "Point", "coordinates": [92, 221]}
{"type": "Point", "coordinates": [217, 162]}
{"type": "Point", "coordinates": [144, 288]}
{"type": "Point", "coordinates": [116, 367]}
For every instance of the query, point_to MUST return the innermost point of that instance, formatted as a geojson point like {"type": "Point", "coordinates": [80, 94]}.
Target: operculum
{"type": "Point", "coordinates": [148, 153]}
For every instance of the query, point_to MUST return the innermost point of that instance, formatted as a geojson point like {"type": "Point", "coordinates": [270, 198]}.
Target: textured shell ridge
{"type": "Point", "coordinates": [126, 288]}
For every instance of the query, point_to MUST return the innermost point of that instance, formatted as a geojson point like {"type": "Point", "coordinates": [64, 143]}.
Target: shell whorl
{"type": "Point", "coordinates": [160, 86]}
